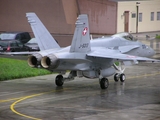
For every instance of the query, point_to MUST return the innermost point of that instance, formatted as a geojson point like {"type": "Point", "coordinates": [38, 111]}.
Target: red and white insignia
{"type": "Point", "coordinates": [130, 56]}
{"type": "Point", "coordinates": [85, 31]}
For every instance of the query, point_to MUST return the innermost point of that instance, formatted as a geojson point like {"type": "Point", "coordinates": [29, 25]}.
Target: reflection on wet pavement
{"type": "Point", "coordinates": [82, 99]}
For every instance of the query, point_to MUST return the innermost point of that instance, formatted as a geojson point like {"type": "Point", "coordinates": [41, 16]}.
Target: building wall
{"type": "Point", "coordinates": [102, 15]}
{"type": "Point", "coordinates": [145, 7]}
{"type": "Point", "coordinates": [57, 15]}
{"type": "Point", "coordinates": [51, 12]}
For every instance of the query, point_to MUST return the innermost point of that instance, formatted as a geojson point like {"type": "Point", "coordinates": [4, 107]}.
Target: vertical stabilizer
{"type": "Point", "coordinates": [42, 35]}
{"type": "Point", "coordinates": [81, 37]}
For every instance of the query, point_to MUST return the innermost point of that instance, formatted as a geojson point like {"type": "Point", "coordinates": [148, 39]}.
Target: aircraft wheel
{"type": "Point", "coordinates": [116, 77]}
{"type": "Point", "coordinates": [59, 80]}
{"type": "Point", "coordinates": [122, 77]}
{"type": "Point", "coordinates": [104, 83]}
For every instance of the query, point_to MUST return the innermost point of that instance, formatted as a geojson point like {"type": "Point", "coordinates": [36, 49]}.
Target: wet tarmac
{"type": "Point", "coordinates": [82, 99]}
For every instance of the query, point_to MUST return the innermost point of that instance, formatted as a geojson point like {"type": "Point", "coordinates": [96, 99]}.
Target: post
{"type": "Point", "coordinates": [137, 16]}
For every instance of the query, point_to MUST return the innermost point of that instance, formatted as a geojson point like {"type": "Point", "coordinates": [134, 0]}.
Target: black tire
{"type": "Point", "coordinates": [104, 83]}
{"type": "Point", "coordinates": [116, 78]}
{"type": "Point", "coordinates": [59, 80]}
{"type": "Point", "coordinates": [122, 77]}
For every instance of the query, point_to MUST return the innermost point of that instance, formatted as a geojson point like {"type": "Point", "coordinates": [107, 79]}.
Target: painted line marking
{"type": "Point", "coordinates": [24, 98]}
{"type": "Point", "coordinates": [145, 75]}
{"type": "Point", "coordinates": [12, 107]}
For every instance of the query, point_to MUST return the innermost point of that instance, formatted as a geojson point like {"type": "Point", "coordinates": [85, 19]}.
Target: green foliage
{"type": "Point", "coordinates": [158, 36]}
{"type": "Point", "coordinates": [12, 69]}
{"type": "Point", "coordinates": [117, 63]}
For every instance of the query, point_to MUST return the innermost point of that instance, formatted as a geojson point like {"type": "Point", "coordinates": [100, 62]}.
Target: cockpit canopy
{"type": "Point", "coordinates": [125, 35]}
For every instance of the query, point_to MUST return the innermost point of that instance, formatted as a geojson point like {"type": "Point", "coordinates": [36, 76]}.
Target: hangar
{"type": "Point", "coordinates": [59, 16]}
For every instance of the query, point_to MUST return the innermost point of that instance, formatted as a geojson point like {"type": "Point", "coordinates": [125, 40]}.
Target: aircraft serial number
{"type": "Point", "coordinates": [85, 45]}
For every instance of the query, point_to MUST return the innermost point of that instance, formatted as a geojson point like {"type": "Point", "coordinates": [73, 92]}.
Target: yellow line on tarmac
{"type": "Point", "coordinates": [145, 75]}
{"type": "Point", "coordinates": [34, 95]}
{"type": "Point", "coordinates": [13, 110]}
{"type": "Point", "coordinates": [24, 98]}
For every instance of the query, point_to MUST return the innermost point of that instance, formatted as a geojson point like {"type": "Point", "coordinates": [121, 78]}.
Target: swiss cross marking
{"type": "Point", "coordinates": [84, 31]}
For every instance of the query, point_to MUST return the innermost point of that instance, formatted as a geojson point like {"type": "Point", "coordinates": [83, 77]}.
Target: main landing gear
{"type": "Point", "coordinates": [59, 81]}
{"type": "Point", "coordinates": [104, 83]}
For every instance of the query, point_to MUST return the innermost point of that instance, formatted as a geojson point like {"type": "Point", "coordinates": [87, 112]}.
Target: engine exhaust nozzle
{"type": "Point", "coordinates": [50, 61]}
{"type": "Point", "coordinates": [34, 60]}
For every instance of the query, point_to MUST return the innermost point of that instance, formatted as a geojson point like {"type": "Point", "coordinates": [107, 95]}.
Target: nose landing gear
{"type": "Point", "coordinates": [120, 75]}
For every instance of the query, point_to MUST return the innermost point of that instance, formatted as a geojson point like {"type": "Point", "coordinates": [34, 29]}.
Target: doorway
{"type": "Point", "coordinates": [126, 21]}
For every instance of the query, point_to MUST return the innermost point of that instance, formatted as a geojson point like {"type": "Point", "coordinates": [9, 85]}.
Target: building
{"type": "Point", "coordinates": [138, 16]}
{"type": "Point", "coordinates": [59, 16]}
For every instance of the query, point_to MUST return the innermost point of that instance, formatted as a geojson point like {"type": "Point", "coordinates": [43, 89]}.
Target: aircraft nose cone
{"type": "Point", "coordinates": [152, 52]}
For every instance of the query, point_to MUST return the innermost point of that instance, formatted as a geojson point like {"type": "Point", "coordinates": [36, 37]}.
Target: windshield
{"type": "Point", "coordinates": [7, 36]}
{"type": "Point", "coordinates": [126, 35]}
{"type": "Point", "coordinates": [33, 40]}
{"type": "Point", "coordinates": [3, 44]}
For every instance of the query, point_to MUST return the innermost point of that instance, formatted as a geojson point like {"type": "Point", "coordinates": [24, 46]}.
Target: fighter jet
{"type": "Point", "coordinates": [87, 58]}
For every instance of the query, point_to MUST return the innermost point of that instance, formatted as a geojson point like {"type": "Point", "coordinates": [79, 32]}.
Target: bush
{"type": "Point", "coordinates": [158, 37]}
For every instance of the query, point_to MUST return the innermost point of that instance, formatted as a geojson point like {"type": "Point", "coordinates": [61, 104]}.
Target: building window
{"type": "Point", "coordinates": [140, 17]}
{"type": "Point", "coordinates": [133, 15]}
{"type": "Point", "coordinates": [158, 15]}
{"type": "Point", "coordinates": [152, 16]}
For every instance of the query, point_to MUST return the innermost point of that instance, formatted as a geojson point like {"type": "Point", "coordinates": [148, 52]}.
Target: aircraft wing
{"type": "Point", "coordinates": [17, 53]}
{"type": "Point", "coordinates": [113, 54]}
{"type": "Point", "coordinates": [33, 52]}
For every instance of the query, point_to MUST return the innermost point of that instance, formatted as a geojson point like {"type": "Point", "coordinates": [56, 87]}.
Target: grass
{"type": "Point", "coordinates": [12, 69]}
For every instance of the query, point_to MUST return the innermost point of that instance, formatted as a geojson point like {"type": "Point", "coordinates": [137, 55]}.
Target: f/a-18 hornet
{"type": "Point", "coordinates": [87, 58]}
